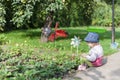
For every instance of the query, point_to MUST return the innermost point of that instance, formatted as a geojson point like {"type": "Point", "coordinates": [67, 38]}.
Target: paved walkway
{"type": "Point", "coordinates": [109, 71]}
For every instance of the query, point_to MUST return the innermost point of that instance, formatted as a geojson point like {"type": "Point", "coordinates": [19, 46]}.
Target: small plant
{"type": "Point", "coordinates": [75, 42]}
{"type": "Point", "coordinates": [3, 39]}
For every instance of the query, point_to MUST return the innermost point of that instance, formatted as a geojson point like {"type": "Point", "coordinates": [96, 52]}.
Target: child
{"type": "Point", "coordinates": [95, 54]}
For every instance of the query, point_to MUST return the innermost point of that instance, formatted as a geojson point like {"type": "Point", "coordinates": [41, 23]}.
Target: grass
{"type": "Point", "coordinates": [32, 38]}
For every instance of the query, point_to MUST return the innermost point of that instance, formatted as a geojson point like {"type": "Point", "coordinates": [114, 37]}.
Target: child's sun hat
{"type": "Point", "coordinates": [92, 37]}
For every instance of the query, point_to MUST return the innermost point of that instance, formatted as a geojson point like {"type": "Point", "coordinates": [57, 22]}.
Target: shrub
{"type": "Point", "coordinates": [22, 63]}
{"type": "Point", "coordinates": [103, 15]}
{"type": "Point", "coordinates": [2, 16]}
{"type": "Point", "coordinates": [3, 39]}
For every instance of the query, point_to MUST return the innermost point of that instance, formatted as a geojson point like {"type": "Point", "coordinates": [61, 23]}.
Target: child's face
{"type": "Point", "coordinates": [90, 44]}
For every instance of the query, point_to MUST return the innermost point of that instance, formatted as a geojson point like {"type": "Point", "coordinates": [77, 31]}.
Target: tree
{"type": "Point", "coordinates": [32, 13]}
{"type": "Point", "coordinates": [2, 15]}
{"type": "Point", "coordinates": [22, 13]}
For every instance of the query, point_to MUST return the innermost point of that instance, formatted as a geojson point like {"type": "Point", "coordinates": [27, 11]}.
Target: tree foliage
{"type": "Point", "coordinates": [109, 1]}
{"type": "Point", "coordinates": [2, 16]}
{"type": "Point", "coordinates": [22, 11]}
{"type": "Point", "coordinates": [102, 14]}
{"type": "Point", "coordinates": [76, 13]}
{"type": "Point", "coordinates": [33, 13]}
{"type": "Point", "coordinates": [26, 12]}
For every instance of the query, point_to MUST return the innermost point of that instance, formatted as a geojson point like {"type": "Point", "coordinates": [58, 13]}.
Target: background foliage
{"type": "Point", "coordinates": [102, 15]}
{"type": "Point", "coordinates": [32, 13]}
{"type": "Point", "coordinates": [2, 16]}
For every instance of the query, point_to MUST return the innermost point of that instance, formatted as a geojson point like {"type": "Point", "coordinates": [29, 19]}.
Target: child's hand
{"type": "Point", "coordinates": [84, 55]}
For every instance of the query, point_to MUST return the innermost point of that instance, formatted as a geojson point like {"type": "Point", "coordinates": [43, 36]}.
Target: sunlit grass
{"type": "Point", "coordinates": [32, 38]}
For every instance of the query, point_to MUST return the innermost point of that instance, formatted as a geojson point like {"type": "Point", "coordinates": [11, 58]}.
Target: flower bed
{"type": "Point", "coordinates": [23, 63]}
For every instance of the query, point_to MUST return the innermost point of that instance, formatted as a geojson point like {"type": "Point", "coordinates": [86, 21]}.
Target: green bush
{"type": "Point", "coordinates": [75, 14]}
{"type": "Point", "coordinates": [2, 16]}
{"type": "Point", "coordinates": [117, 15]}
{"type": "Point", "coordinates": [103, 15]}
{"type": "Point", "coordinates": [32, 13]}
{"type": "Point", "coordinates": [3, 39]}
{"type": "Point", "coordinates": [22, 63]}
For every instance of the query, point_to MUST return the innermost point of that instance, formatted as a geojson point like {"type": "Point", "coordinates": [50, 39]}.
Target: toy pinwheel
{"type": "Point", "coordinates": [75, 42]}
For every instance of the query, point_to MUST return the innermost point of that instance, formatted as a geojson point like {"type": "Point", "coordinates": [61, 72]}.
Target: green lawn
{"type": "Point", "coordinates": [32, 38]}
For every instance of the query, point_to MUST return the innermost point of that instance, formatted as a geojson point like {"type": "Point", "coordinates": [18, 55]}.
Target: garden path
{"type": "Point", "coordinates": [109, 71]}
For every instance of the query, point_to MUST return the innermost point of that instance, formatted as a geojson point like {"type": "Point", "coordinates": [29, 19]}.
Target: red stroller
{"type": "Point", "coordinates": [57, 33]}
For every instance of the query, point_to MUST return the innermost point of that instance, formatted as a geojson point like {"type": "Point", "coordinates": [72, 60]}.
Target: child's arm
{"type": "Point", "coordinates": [84, 55]}
{"type": "Point", "coordinates": [91, 57]}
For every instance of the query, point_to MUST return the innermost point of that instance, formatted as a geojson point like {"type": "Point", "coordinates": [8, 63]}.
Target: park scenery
{"type": "Point", "coordinates": [44, 39]}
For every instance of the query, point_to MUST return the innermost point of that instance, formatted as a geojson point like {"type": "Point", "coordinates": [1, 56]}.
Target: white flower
{"type": "Point", "coordinates": [75, 41]}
